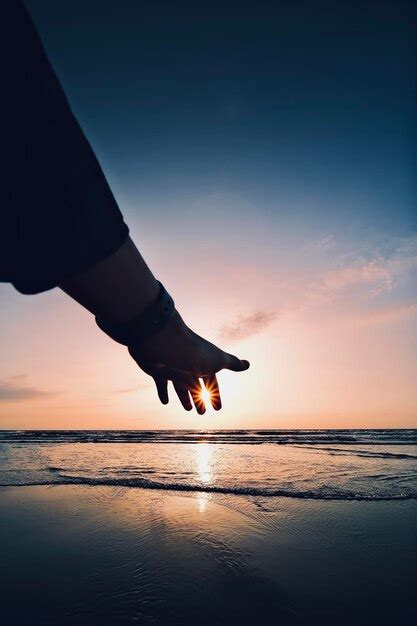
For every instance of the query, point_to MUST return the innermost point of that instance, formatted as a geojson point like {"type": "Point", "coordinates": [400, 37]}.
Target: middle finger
{"type": "Point", "coordinates": [195, 391]}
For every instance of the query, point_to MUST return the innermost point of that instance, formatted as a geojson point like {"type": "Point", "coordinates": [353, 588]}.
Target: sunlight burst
{"type": "Point", "coordinates": [205, 395]}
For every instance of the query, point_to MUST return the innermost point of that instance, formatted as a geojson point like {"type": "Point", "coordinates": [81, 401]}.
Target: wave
{"type": "Point", "coordinates": [321, 493]}
{"type": "Point", "coordinates": [362, 453]}
{"type": "Point", "coordinates": [252, 437]}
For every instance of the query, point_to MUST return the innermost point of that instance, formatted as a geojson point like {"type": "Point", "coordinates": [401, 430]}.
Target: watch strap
{"type": "Point", "coordinates": [147, 323]}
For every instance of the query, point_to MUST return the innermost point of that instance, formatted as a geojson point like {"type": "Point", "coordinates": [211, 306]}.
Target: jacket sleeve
{"type": "Point", "coordinates": [58, 215]}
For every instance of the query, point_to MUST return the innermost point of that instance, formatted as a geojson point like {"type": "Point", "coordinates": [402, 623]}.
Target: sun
{"type": "Point", "coordinates": [208, 394]}
{"type": "Point", "coordinates": [205, 395]}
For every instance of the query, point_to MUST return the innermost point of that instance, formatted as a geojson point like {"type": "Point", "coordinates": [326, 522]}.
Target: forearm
{"type": "Point", "coordinates": [118, 288]}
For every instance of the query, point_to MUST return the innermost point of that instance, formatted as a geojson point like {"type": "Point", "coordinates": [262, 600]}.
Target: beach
{"type": "Point", "coordinates": [208, 527]}
{"type": "Point", "coordinates": [115, 555]}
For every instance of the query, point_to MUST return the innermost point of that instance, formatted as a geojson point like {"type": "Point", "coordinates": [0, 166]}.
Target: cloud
{"type": "Point", "coordinates": [376, 278]}
{"type": "Point", "coordinates": [326, 243]}
{"type": "Point", "coordinates": [387, 315]}
{"type": "Point", "coordinates": [11, 391]}
{"type": "Point", "coordinates": [247, 325]}
{"type": "Point", "coordinates": [376, 274]}
{"type": "Point", "coordinates": [356, 278]}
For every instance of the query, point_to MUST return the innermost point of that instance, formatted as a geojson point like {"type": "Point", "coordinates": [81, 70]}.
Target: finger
{"type": "Point", "coordinates": [212, 387]}
{"type": "Point", "coordinates": [231, 362]}
{"type": "Point", "coordinates": [195, 391]}
{"type": "Point", "coordinates": [183, 395]}
{"type": "Point", "coordinates": [162, 388]}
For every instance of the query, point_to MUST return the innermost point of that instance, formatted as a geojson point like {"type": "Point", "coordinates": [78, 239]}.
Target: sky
{"type": "Point", "coordinates": [263, 155]}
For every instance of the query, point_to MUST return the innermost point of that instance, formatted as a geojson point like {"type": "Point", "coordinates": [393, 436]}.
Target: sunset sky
{"type": "Point", "coordinates": [264, 162]}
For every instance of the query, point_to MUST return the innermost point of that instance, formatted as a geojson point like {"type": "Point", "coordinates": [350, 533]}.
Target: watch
{"type": "Point", "coordinates": [150, 321]}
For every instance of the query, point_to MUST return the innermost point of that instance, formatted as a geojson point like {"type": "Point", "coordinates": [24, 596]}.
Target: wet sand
{"type": "Point", "coordinates": [102, 555]}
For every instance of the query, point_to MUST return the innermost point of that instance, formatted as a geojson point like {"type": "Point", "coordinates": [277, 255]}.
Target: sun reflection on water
{"type": "Point", "coordinates": [202, 501]}
{"type": "Point", "coordinates": [204, 462]}
{"type": "Point", "coordinates": [204, 469]}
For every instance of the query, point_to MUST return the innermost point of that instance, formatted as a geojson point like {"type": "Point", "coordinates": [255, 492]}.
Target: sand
{"type": "Point", "coordinates": [108, 556]}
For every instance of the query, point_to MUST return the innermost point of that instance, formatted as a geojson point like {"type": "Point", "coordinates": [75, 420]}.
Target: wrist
{"type": "Point", "coordinates": [141, 327]}
{"type": "Point", "coordinates": [116, 289]}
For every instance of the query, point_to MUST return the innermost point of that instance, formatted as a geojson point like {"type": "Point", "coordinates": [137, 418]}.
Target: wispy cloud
{"type": "Point", "coordinates": [369, 284]}
{"type": "Point", "coordinates": [247, 325]}
{"type": "Point", "coordinates": [12, 391]}
{"type": "Point", "coordinates": [387, 315]}
{"type": "Point", "coordinates": [326, 243]}
{"type": "Point", "coordinates": [374, 274]}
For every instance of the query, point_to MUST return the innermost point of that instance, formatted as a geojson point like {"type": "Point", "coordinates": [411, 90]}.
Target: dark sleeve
{"type": "Point", "coordinates": [58, 215]}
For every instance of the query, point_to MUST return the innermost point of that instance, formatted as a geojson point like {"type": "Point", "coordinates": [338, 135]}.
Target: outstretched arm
{"type": "Point", "coordinates": [62, 226]}
{"type": "Point", "coordinates": [118, 289]}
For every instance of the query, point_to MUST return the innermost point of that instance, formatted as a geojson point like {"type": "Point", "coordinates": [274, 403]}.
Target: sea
{"type": "Point", "coordinates": [263, 465]}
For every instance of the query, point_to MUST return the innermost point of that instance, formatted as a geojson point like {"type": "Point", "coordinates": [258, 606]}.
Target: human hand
{"type": "Point", "coordinates": [178, 354]}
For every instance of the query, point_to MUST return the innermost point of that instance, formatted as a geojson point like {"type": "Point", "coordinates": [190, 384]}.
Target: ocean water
{"type": "Point", "coordinates": [261, 465]}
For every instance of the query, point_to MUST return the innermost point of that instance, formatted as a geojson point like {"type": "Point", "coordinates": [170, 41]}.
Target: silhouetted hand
{"type": "Point", "coordinates": [177, 353]}
{"type": "Point", "coordinates": [122, 285]}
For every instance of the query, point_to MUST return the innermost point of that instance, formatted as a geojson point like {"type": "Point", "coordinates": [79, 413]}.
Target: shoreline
{"type": "Point", "coordinates": [179, 489]}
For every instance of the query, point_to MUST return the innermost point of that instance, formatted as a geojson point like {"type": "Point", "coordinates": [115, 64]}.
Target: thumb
{"type": "Point", "coordinates": [231, 362]}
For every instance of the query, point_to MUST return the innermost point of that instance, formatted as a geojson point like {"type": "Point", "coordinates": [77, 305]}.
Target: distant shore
{"type": "Point", "coordinates": [102, 555]}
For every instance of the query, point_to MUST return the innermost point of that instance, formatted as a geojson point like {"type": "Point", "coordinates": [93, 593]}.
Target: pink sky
{"type": "Point", "coordinates": [330, 332]}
